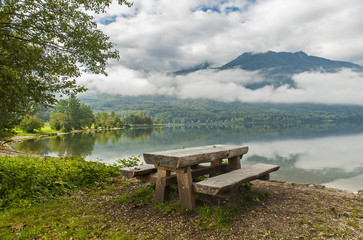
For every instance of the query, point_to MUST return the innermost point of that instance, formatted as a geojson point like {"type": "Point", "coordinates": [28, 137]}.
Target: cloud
{"type": "Point", "coordinates": [343, 87]}
{"type": "Point", "coordinates": [158, 37]}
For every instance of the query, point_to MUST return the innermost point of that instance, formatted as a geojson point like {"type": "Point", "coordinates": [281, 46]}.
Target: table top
{"type": "Point", "coordinates": [180, 158]}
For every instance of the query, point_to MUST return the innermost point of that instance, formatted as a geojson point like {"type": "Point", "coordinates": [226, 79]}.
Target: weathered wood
{"type": "Point", "coordinates": [227, 181]}
{"type": "Point", "coordinates": [160, 188]}
{"type": "Point", "coordinates": [234, 163]}
{"type": "Point", "coordinates": [130, 172]}
{"type": "Point", "coordinates": [265, 177]}
{"type": "Point", "coordinates": [197, 171]}
{"type": "Point", "coordinates": [216, 162]}
{"type": "Point", "coordinates": [185, 188]}
{"type": "Point", "coordinates": [180, 158]}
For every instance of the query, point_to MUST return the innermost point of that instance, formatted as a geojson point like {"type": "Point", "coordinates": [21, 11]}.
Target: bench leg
{"type": "Point", "coordinates": [160, 189]}
{"type": "Point", "coordinates": [234, 163]}
{"type": "Point", "coordinates": [265, 177]}
{"type": "Point", "coordinates": [185, 188]}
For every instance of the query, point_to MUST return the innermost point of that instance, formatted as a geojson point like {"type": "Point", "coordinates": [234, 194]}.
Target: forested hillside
{"type": "Point", "coordinates": [189, 111]}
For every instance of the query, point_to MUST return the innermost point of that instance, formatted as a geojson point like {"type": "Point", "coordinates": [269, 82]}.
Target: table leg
{"type": "Point", "coordinates": [234, 163]}
{"type": "Point", "coordinates": [215, 163]}
{"type": "Point", "coordinates": [185, 188]}
{"type": "Point", "coordinates": [160, 189]}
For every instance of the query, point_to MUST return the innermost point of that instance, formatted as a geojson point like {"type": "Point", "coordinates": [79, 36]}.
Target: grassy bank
{"type": "Point", "coordinates": [27, 180]}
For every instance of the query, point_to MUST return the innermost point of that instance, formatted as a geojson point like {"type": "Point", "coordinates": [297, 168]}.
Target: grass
{"type": "Point", "coordinates": [44, 131]}
{"type": "Point", "coordinates": [26, 180]}
{"type": "Point", "coordinates": [62, 218]}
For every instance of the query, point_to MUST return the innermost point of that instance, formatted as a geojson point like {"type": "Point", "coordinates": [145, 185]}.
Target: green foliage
{"type": "Point", "coordinates": [129, 162]}
{"type": "Point", "coordinates": [353, 224]}
{"type": "Point", "coordinates": [61, 122]}
{"type": "Point", "coordinates": [80, 113]}
{"type": "Point", "coordinates": [105, 120]}
{"type": "Point", "coordinates": [44, 46]}
{"type": "Point", "coordinates": [31, 123]}
{"type": "Point", "coordinates": [24, 180]}
{"type": "Point", "coordinates": [214, 113]}
{"type": "Point", "coordinates": [138, 119]}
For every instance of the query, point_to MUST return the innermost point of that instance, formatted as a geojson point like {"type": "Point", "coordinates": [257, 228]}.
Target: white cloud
{"type": "Point", "coordinates": [157, 37]}
{"type": "Point", "coordinates": [343, 87]}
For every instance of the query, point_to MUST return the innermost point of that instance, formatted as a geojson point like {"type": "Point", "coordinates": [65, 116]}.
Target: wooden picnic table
{"type": "Point", "coordinates": [181, 162]}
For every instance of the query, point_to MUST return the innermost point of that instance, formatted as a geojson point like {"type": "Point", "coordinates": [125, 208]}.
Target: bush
{"type": "Point", "coordinates": [25, 180]}
{"type": "Point", "coordinates": [129, 162]}
{"type": "Point", "coordinates": [31, 123]}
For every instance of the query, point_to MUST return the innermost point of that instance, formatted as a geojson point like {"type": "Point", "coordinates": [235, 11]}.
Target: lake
{"type": "Point", "coordinates": [332, 156]}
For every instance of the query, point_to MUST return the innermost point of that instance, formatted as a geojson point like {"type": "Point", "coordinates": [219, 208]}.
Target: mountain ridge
{"type": "Point", "coordinates": [278, 68]}
{"type": "Point", "coordinates": [297, 61]}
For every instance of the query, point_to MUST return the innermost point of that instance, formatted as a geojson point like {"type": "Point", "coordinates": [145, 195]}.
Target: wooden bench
{"type": "Point", "coordinates": [227, 181]}
{"type": "Point", "coordinates": [142, 170]}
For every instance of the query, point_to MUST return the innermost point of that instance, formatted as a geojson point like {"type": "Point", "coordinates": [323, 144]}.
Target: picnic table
{"type": "Point", "coordinates": [181, 166]}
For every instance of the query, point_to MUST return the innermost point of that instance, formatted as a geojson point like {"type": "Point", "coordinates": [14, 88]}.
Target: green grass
{"type": "Point", "coordinates": [43, 131]}
{"type": "Point", "coordinates": [353, 224]}
{"type": "Point", "coordinates": [62, 218]}
{"type": "Point", "coordinates": [25, 180]}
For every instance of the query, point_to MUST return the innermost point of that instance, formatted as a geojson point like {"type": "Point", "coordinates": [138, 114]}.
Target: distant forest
{"type": "Point", "coordinates": [209, 112]}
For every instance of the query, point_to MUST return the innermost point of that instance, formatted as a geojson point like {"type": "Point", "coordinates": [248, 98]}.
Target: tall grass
{"type": "Point", "coordinates": [25, 180]}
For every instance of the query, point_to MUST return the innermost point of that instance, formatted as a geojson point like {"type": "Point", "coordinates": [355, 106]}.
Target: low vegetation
{"type": "Point", "coordinates": [27, 180]}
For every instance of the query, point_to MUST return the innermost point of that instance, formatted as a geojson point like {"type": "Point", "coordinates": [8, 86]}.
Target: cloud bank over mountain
{"type": "Point", "coordinates": [156, 38]}
{"type": "Point", "coordinates": [343, 87]}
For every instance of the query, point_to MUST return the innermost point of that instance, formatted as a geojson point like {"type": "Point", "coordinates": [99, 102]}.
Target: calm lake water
{"type": "Point", "coordinates": [332, 156]}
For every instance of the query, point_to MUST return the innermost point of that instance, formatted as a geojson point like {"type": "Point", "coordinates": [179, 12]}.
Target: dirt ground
{"type": "Point", "coordinates": [290, 211]}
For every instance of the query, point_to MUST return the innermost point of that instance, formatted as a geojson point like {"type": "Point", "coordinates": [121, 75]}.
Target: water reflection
{"type": "Point", "coordinates": [327, 156]}
{"type": "Point", "coordinates": [331, 161]}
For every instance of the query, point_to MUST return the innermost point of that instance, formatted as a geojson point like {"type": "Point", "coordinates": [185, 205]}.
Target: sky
{"type": "Point", "coordinates": [158, 37]}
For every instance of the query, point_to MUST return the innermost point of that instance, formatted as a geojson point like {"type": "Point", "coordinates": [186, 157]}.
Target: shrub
{"type": "Point", "coordinates": [31, 123]}
{"type": "Point", "coordinates": [129, 162]}
{"type": "Point", "coordinates": [25, 180]}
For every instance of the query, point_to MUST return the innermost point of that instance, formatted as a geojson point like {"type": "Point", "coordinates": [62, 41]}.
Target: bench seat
{"type": "Point", "coordinates": [224, 182]}
{"type": "Point", "coordinates": [131, 172]}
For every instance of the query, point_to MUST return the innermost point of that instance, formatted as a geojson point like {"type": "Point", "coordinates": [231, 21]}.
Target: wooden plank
{"type": "Point", "coordinates": [130, 172]}
{"type": "Point", "coordinates": [180, 158]}
{"type": "Point", "coordinates": [224, 182]}
{"type": "Point", "coordinates": [185, 188]}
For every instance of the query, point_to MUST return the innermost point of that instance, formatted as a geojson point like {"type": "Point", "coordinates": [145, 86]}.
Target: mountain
{"type": "Point", "coordinates": [287, 62]}
{"type": "Point", "coordinates": [279, 67]}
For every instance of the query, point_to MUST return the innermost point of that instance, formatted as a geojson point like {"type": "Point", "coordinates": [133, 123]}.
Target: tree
{"type": "Point", "coordinates": [31, 123]}
{"type": "Point", "coordinates": [105, 120]}
{"type": "Point", "coordinates": [44, 46]}
{"type": "Point", "coordinates": [61, 122]}
{"type": "Point", "coordinates": [80, 113]}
